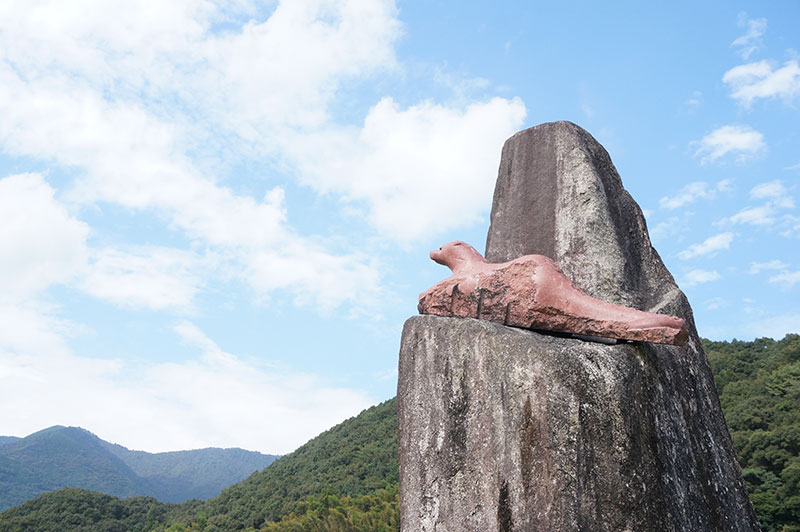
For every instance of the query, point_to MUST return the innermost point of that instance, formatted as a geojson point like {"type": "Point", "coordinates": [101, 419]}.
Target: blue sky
{"type": "Point", "coordinates": [217, 216]}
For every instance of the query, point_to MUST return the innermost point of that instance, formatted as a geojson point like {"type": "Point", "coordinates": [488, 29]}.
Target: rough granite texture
{"type": "Point", "coordinates": [508, 430]}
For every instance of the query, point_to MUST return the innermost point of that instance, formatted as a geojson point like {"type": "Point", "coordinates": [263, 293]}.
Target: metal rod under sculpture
{"type": "Point", "coordinates": [532, 292]}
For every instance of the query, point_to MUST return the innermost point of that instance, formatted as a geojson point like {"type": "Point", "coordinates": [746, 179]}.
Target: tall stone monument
{"type": "Point", "coordinates": [510, 430]}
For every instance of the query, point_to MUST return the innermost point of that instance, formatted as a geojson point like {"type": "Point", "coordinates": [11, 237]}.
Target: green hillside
{"type": "Point", "coordinates": [354, 458]}
{"type": "Point", "coordinates": [345, 480]}
{"type": "Point", "coordinates": [759, 387]}
{"type": "Point", "coordinates": [75, 510]}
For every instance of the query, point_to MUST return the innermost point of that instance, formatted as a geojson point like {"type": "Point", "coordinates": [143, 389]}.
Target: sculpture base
{"type": "Point", "coordinates": [504, 429]}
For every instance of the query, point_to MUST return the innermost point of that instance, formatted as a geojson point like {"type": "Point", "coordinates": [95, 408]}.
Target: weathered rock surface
{"type": "Point", "coordinates": [510, 430]}
{"type": "Point", "coordinates": [531, 292]}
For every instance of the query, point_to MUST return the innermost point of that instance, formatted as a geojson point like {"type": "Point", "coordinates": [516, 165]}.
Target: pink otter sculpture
{"type": "Point", "coordinates": [532, 292]}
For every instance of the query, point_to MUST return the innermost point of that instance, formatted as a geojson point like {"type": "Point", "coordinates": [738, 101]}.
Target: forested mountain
{"type": "Point", "coordinates": [61, 457]}
{"type": "Point", "coordinates": [7, 439]}
{"type": "Point", "coordinates": [337, 478]}
{"type": "Point", "coordinates": [345, 480]}
{"type": "Point", "coordinates": [759, 388]}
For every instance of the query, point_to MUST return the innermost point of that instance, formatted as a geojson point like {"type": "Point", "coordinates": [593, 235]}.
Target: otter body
{"type": "Point", "coordinates": [532, 292]}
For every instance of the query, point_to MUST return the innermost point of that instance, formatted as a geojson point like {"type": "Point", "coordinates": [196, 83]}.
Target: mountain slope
{"type": "Point", "coordinates": [198, 474]}
{"type": "Point", "coordinates": [759, 388]}
{"type": "Point", "coordinates": [60, 457]}
{"type": "Point", "coordinates": [356, 457]}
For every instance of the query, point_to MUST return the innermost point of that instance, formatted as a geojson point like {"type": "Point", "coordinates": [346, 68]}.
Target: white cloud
{"type": "Point", "coordinates": [742, 141]}
{"type": "Point", "coordinates": [791, 224]}
{"type": "Point", "coordinates": [758, 267]}
{"type": "Point", "coordinates": [695, 100]}
{"type": "Point", "coordinates": [208, 401]}
{"type": "Point", "coordinates": [716, 303]}
{"type": "Point", "coordinates": [771, 189]}
{"type": "Point", "coordinates": [761, 215]}
{"type": "Point", "coordinates": [751, 41]}
{"type": "Point", "coordinates": [41, 243]}
{"type": "Point", "coordinates": [135, 152]}
{"type": "Point", "coordinates": [674, 225]}
{"type": "Point", "coordinates": [146, 277]}
{"type": "Point", "coordinates": [787, 279]}
{"type": "Point", "coordinates": [405, 164]}
{"type": "Point", "coordinates": [759, 80]}
{"type": "Point", "coordinates": [766, 214]}
{"type": "Point", "coordinates": [708, 246]}
{"type": "Point", "coordinates": [693, 192]}
{"type": "Point", "coordinates": [698, 276]}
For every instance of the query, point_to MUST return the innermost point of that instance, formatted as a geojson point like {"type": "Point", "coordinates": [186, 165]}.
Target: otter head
{"type": "Point", "coordinates": [457, 256]}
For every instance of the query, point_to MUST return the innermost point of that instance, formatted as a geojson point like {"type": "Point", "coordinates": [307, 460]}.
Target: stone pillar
{"type": "Point", "coordinates": [503, 429]}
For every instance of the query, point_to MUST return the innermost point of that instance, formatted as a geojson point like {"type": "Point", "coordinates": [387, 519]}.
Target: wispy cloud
{"type": "Point", "coordinates": [770, 189]}
{"type": "Point", "coordinates": [145, 277]}
{"type": "Point", "coordinates": [698, 276]}
{"type": "Point", "coordinates": [744, 142]}
{"type": "Point", "coordinates": [761, 80]}
{"type": "Point", "coordinates": [758, 267]}
{"type": "Point", "coordinates": [767, 214]}
{"type": "Point", "coordinates": [751, 41]}
{"type": "Point", "coordinates": [716, 303]}
{"type": "Point", "coordinates": [761, 215]}
{"type": "Point", "coordinates": [787, 279]}
{"type": "Point", "coordinates": [790, 225]}
{"type": "Point", "coordinates": [693, 192]}
{"type": "Point", "coordinates": [695, 100]}
{"type": "Point", "coordinates": [708, 246]}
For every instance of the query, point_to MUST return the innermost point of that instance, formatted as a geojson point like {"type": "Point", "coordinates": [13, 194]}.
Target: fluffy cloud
{"type": "Point", "coordinates": [753, 81]}
{"type": "Point", "coordinates": [742, 141]}
{"type": "Point", "coordinates": [699, 276]}
{"type": "Point", "coordinates": [405, 164]}
{"type": "Point", "coordinates": [708, 246]}
{"type": "Point", "coordinates": [207, 401]}
{"type": "Point", "coordinates": [693, 192]}
{"type": "Point", "coordinates": [41, 243]}
{"type": "Point", "coordinates": [81, 102]}
{"type": "Point", "coordinates": [149, 111]}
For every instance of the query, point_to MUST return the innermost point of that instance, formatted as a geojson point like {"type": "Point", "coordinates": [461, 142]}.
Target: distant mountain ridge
{"type": "Point", "coordinates": [349, 470]}
{"type": "Point", "coordinates": [59, 457]}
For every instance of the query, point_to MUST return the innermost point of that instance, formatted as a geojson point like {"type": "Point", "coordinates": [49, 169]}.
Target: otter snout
{"type": "Point", "coordinates": [436, 256]}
